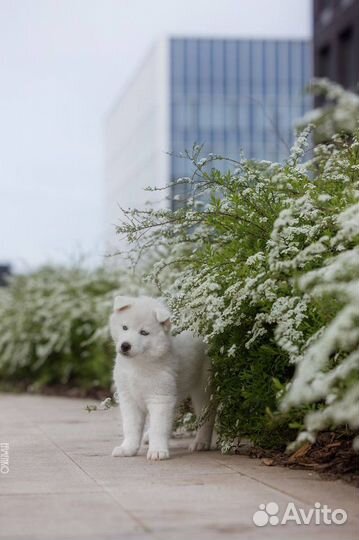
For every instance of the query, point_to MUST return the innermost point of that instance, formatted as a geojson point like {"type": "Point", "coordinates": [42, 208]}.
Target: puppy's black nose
{"type": "Point", "coordinates": [125, 347]}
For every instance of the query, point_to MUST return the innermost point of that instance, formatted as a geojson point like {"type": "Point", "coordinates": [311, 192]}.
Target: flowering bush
{"type": "Point", "coordinates": [54, 327]}
{"type": "Point", "coordinates": [338, 114]}
{"type": "Point", "coordinates": [328, 366]}
{"type": "Point", "coordinates": [240, 243]}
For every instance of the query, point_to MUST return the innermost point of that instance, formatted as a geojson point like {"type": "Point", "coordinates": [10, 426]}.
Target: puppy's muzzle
{"type": "Point", "coordinates": [125, 347]}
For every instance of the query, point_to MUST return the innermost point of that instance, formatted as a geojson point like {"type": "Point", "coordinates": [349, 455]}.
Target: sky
{"type": "Point", "coordinates": [63, 63]}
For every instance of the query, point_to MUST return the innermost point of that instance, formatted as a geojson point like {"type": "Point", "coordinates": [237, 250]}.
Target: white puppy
{"type": "Point", "coordinates": [153, 372]}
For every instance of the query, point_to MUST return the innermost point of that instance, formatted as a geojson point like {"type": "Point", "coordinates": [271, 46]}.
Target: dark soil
{"type": "Point", "coordinates": [332, 456]}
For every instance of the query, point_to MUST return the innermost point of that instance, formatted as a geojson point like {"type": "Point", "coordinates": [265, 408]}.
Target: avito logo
{"type": "Point", "coordinates": [319, 515]}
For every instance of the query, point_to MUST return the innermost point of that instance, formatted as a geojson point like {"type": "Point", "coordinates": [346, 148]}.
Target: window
{"type": "Point", "coordinates": [347, 70]}
{"type": "Point", "coordinates": [324, 60]}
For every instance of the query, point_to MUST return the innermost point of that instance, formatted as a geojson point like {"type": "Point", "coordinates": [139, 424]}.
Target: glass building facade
{"type": "Point", "coordinates": [231, 95]}
{"type": "Point", "coordinates": [236, 95]}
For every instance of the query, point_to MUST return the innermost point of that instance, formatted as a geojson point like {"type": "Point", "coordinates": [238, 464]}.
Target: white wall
{"type": "Point", "coordinates": [136, 141]}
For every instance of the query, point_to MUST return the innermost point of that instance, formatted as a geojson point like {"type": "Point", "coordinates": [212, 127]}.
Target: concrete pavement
{"type": "Point", "coordinates": [63, 484]}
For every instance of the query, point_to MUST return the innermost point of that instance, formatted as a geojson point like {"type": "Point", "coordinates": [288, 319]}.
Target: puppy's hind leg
{"type": "Point", "coordinates": [200, 400]}
{"type": "Point", "coordinates": [146, 434]}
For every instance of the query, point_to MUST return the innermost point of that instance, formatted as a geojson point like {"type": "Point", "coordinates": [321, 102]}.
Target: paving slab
{"type": "Point", "coordinates": [64, 484]}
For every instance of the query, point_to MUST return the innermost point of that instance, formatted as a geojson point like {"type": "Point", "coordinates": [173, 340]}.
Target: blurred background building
{"type": "Point", "coordinates": [227, 94]}
{"type": "Point", "coordinates": [5, 272]}
{"type": "Point", "coordinates": [336, 41]}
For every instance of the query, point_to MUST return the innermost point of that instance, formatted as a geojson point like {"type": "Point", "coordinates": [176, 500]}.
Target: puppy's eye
{"type": "Point", "coordinates": [144, 333]}
{"type": "Point", "coordinates": [125, 327]}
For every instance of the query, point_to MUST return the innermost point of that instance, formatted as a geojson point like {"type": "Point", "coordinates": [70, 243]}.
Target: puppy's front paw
{"type": "Point", "coordinates": [124, 451]}
{"type": "Point", "coordinates": [156, 455]}
{"type": "Point", "coordinates": [199, 446]}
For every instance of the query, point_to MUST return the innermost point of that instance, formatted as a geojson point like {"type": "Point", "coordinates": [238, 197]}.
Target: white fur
{"type": "Point", "coordinates": [155, 374]}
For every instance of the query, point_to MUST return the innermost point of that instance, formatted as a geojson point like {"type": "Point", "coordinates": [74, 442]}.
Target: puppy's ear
{"type": "Point", "coordinates": [164, 318]}
{"type": "Point", "coordinates": [121, 303]}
